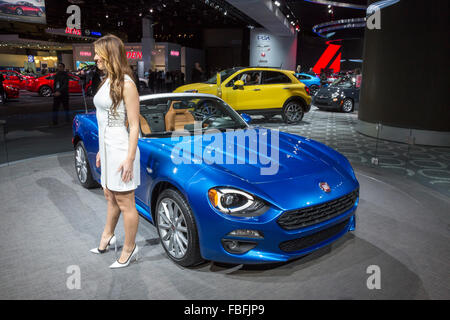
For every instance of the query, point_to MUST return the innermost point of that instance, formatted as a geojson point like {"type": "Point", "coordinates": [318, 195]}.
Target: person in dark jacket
{"type": "Point", "coordinates": [197, 73]}
{"type": "Point", "coordinates": [95, 80]}
{"type": "Point", "coordinates": [61, 93]}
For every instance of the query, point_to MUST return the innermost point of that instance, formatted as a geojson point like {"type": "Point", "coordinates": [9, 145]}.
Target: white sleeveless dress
{"type": "Point", "coordinates": [113, 142]}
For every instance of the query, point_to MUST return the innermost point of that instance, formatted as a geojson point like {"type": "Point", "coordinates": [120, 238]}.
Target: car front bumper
{"type": "Point", "coordinates": [277, 244]}
{"type": "Point", "coordinates": [328, 103]}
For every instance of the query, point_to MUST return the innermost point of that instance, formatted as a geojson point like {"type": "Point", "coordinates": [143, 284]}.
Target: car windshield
{"type": "Point", "coordinates": [342, 82]}
{"type": "Point", "coordinates": [194, 114]}
{"type": "Point", "coordinates": [224, 74]}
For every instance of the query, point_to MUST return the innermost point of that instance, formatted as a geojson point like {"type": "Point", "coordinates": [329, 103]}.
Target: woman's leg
{"type": "Point", "coordinates": [127, 205]}
{"type": "Point", "coordinates": [112, 216]}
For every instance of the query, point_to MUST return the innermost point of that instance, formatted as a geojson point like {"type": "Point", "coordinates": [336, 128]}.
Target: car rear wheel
{"type": "Point", "coordinates": [45, 91]}
{"type": "Point", "coordinates": [347, 105]}
{"type": "Point", "coordinates": [313, 89]}
{"type": "Point", "coordinates": [177, 229]}
{"type": "Point", "coordinates": [82, 167]}
{"type": "Point", "coordinates": [19, 11]}
{"type": "Point", "coordinates": [293, 112]}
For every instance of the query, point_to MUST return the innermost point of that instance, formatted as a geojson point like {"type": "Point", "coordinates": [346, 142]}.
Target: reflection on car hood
{"type": "Point", "coordinates": [288, 157]}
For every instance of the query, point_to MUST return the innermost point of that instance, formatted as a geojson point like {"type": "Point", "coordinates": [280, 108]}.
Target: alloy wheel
{"type": "Point", "coordinates": [347, 106]}
{"type": "Point", "coordinates": [294, 112]}
{"type": "Point", "coordinates": [46, 91]}
{"type": "Point", "coordinates": [172, 228]}
{"type": "Point", "coordinates": [81, 164]}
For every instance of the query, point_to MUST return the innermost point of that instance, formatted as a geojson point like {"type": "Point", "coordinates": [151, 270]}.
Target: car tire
{"type": "Point", "coordinates": [313, 89]}
{"type": "Point", "coordinates": [188, 241]}
{"type": "Point", "coordinates": [82, 167]}
{"type": "Point", "coordinates": [45, 91]}
{"type": "Point", "coordinates": [347, 105]}
{"type": "Point", "coordinates": [19, 11]}
{"type": "Point", "coordinates": [293, 111]}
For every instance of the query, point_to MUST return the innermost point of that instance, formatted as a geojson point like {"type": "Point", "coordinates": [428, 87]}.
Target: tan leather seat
{"type": "Point", "coordinates": [145, 128]}
{"type": "Point", "coordinates": [176, 119]}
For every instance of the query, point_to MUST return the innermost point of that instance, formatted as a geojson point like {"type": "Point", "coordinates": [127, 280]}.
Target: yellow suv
{"type": "Point", "coordinates": [258, 91]}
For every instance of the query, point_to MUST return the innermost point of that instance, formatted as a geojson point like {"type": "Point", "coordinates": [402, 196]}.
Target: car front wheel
{"type": "Point", "coordinates": [45, 91]}
{"type": "Point", "coordinates": [82, 167]}
{"type": "Point", "coordinates": [177, 229]}
{"type": "Point", "coordinates": [293, 112]}
{"type": "Point", "coordinates": [347, 105]}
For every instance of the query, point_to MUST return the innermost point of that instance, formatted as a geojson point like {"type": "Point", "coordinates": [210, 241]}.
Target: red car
{"type": "Point", "coordinates": [44, 85]}
{"type": "Point", "coordinates": [10, 92]}
{"type": "Point", "coordinates": [21, 8]}
{"type": "Point", "coordinates": [16, 78]}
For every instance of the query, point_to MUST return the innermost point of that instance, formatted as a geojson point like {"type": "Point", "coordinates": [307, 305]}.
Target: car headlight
{"type": "Point", "coordinates": [236, 202]}
{"type": "Point", "coordinates": [335, 94]}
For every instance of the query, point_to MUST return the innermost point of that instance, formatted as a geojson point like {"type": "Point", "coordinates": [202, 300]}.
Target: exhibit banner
{"type": "Point", "coordinates": [32, 11]}
{"type": "Point", "coordinates": [269, 50]}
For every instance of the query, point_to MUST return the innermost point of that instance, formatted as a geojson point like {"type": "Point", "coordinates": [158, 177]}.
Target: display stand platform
{"type": "Point", "coordinates": [48, 223]}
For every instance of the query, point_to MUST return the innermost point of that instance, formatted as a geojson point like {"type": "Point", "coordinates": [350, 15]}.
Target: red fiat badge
{"type": "Point", "coordinates": [325, 187]}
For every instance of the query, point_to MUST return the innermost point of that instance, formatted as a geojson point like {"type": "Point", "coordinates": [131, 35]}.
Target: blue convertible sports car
{"type": "Point", "coordinates": [311, 81]}
{"type": "Point", "coordinates": [218, 189]}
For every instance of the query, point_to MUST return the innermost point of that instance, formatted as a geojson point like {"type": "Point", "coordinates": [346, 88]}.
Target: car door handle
{"type": "Point", "coordinates": [256, 89]}
{"type": "Point", "coordinates": [286, 88]}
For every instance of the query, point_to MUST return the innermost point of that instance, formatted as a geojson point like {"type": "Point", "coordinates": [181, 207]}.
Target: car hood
{"type": "Point", "coordinates": [201, 87]}
{"type": "Point", "coordinates": [289, 156]}
{"type": "Point", "coordinates": [327, 91]}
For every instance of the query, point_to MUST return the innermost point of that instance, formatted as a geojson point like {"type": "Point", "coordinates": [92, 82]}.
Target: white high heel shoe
{"type": "Point", "coordinates": [133, 255]}
{"type": "Point", "coordinates": [111, 242]}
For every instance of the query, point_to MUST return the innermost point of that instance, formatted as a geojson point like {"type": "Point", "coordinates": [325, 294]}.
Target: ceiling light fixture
{"type": "Point", "coordinates": [277, 3]}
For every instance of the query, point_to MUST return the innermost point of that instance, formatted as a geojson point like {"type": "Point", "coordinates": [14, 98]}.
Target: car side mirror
{"type": "Point", "coordinates": [239, 84]}
{"type": "Point", "coordinates": [246, 118]}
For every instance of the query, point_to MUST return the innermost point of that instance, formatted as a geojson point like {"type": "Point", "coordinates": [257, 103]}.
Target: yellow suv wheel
{"type": "Point", "coordinates": [293, 111]}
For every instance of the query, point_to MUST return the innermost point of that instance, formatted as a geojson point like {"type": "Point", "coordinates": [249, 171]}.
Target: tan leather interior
{"type": "Point", "coordinates": [145, 128]}
{"type": "Point", "coordinates": [176, 119]}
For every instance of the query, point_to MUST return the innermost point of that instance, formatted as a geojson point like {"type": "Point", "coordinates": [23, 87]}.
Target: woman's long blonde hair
{"type": "Point", "coordinates": [112, 50]}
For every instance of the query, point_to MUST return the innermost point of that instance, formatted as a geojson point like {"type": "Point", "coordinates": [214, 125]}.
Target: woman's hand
{"type": "Point", "coordinates": [97, 160]}
{"type": "Point", "coordinates": [127, 170]}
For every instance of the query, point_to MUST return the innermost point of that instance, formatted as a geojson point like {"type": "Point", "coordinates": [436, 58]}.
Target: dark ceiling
{"type": "Point", "coordinates": [180, 21]}
{"type": "Point", "coordinates": [310, 14]}
{"type": "Point", "coordinates": [172, 18]}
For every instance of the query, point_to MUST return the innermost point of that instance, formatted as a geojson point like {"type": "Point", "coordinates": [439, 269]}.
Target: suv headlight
{"type": "Point", "coordinates": [236, 202]}
{"type": "Point", "coordinates": [335, 94]}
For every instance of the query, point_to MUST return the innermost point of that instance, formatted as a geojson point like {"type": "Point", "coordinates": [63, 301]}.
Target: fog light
{"type": "Point", "coordinates": [246, 233]}
{"type": "Point", "coordinates": [335, 99]}
{"type": "Point", "coordinates": [237, 246]}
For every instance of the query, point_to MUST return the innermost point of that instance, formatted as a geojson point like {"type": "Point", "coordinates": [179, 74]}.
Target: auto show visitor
{"type": "Point", "coordinates": [61, 93]}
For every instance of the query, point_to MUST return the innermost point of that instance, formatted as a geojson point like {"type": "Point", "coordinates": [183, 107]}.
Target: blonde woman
{"type": "Point", "coordinates": [116, 101]}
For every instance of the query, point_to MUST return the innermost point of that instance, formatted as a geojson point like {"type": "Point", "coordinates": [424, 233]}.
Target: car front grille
{"type": "Point", "coordinates": [315, 238]}
{"type": "Point", "coordinates": [315, 214]}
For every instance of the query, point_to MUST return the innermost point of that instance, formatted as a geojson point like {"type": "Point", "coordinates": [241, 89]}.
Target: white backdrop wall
{"type": "Point", "coordinates": [268, 50]}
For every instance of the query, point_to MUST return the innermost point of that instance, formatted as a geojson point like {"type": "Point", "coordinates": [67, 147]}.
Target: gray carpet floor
{"type": "Point", "coordinates": [48, 223]}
